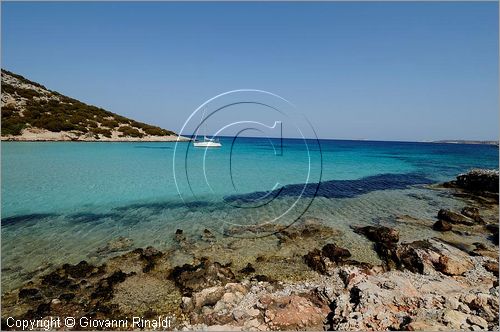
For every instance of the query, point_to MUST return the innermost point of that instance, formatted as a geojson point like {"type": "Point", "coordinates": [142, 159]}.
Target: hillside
{"type": "Point", "coordinates": [32, 112]}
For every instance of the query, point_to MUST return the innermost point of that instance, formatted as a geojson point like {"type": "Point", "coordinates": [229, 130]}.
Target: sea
{"type": "Point", "coordinates": [63, 202]}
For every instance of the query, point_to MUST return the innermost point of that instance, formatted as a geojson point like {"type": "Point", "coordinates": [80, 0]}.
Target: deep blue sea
{"type": "Point", "coordinates": [61, 201]}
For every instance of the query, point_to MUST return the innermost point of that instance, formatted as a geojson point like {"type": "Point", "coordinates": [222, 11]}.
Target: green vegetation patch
{"type": "Point", "coordinates": [56, 112]}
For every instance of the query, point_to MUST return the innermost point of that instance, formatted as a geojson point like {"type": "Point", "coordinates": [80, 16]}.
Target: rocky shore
{"type": "Point", "coordinates": [446, 282]}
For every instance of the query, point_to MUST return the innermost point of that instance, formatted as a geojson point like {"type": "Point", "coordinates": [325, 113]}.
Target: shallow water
{"type": "Point", "coordinates": [61, 202]}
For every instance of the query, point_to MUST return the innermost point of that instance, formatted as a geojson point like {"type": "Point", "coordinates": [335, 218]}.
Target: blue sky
{"type": "Point", "coordinates": [385, 71]}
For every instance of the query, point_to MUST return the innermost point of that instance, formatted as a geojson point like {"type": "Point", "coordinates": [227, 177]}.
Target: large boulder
{"type": "Point", "coordinates": [335, 253]}
{"type": "Point", "coordinates": [329, 256]}
{"type": "Point", "coordinates": [432, 255]}
{"type": "Point", "coordinates": [294, 312]}
{"type": "Point", "coordinates": [378, 233]}
{"type": "Point", "coordinates": [454, 217]}
{"type": "Point", "coordinates": [442, 226]}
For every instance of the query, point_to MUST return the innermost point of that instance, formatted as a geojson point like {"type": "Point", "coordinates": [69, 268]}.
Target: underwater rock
{"type": "Point", "coordinates": [67, 296]}
{"type": "Point", "coordinates": [314, 259]}
{"type": "Point", "coordinates": [193, 278]}
{"type": "Point", "coordinates": [78, 271]}
{"type": "Point", "coordinates": [442, 226]}
{"type": "Point", "coordinates": [473, 213]}
{"type": "Point", "coordinates": [30, 294]}
{"type": "Point", "coordinates": [321, 260]}
{"type": "Point", "coordinates": [262, 278]}
{"type": "Point", "coordinates": [378, 233]}
{"type": "Point", "coordinates": [120, 244]}
{"type": "Point", "coordinates": [454, 217]}
{"type": "Point", "coordinates": [207, 236]}
{"type": "Point", "coordinates": [104, 290]}
{"type": "Point", "coordinates": [247, 269]}
{"type": "Point", "coordinates": [150, 255]}
{"type": "Point", "coordinates": [493, 229]}
{"type": "Point", "coordinates": [55, 279]}
{"type": "Point", "coordinates": [179, 235]}
{"type": "Point", "coordinates": [335, 253]}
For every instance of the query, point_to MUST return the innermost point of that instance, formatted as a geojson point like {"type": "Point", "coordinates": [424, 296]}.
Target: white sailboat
{"type": "Point", "coordinates": [207, 142]}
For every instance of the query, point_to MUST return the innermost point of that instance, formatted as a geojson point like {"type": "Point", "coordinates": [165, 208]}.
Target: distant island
{"type": "Point", "coordinates": [458, 141]}
{"type": "Point", "coordinates": [31, 112]}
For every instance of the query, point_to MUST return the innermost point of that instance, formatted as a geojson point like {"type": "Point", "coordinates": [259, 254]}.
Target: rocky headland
{"type": "Point", "coordinates": [446, 282]}
{"type": "Point", "coordinates": [32, 112]}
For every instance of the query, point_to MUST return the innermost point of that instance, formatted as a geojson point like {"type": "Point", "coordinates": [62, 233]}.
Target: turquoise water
{"type": "Point", "coordinates": [62, 201]}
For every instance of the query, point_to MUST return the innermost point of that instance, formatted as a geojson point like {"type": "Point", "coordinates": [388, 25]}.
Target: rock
{"type": "Point", "coordinates": [242, 315]}
{"type": "Point", "coordinates": [428, 255]}
{"type": "Point", "coordinates": [207, 236]}
{"type": "Point", "coordinates": [452, 266]}
{"type": "Point", "coordinates": [194, 278]}
{"type": "Point", "coordinates": [187, 304]}
{"type": "Point", "coordinates": [120, 244]}
{"type": "Point", "coordinates": [335, 253]}
{"type": "Point", "coordinates": [295, 312]}
{"type": "Point", "coordinates": [248, 269]}
{"type": "Point", "coordinates": [454, 217]}
{"type": "Point", "coordinates": [55, 302]}
{"type": "Point", "coordinates": [423, 326]}
{"type": "Point", "coordinates": [208, 296]}
{"type": "Point", "coordinates": [55, 279]}
{"type": "Point", "coordinates": [80, 270]}
{"type": "Point", "coordinates": [476, 320]}
{"type": "Point", "coordinates": [179, 235]}
{"type": "Point", "coordinates": [236, 288]}
{"type": "Point", "coordinates": [479, 180]}
{"type": "Point", "coordinates": [314, 260]}
{"type": "Point", "coordinates": [329, 256]}
{"type": "Point", "coordinates": [452, 303]}
{"type": "Point", "coordinates": [67, 296]}
{"type": "Point", "coordinates": [378, 233]}
{"type": "Point", "coordinates": [454, 318]}
{"type": "Point", "coordinates": [442, 226]}
{"type": "Point", "coordinates": [116, 277]}
{"type": "Point", "coordinates": [30, 293]}
{"type": "Point", "coordinates": [473, 213]}
{"type": "Point", "coordinates": [493, 229]}
{"type": "Point", "coordinates": [104, 290]}
{"type": "Point", "coordinates": [149, 255]}
{"type": "Point", "coordinates": [492, 267]}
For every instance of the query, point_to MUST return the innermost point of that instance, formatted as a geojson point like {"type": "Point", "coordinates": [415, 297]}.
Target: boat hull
{"type": "Point", "coordinates": [207, 144]}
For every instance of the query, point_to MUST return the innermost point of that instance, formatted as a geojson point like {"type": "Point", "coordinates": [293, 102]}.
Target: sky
{"type": "Point", "coordinates": [414, 71]}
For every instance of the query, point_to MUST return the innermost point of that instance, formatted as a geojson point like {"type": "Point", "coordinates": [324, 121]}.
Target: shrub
{"type": "Point", "coordinates": [110, 123]}
{"type": "Point", "coordinates": [102, 131]}
{"type": "Point", "coordinates": [13, 125]}
{"type": "Point", "coordinates": [129, 131]}
{"type": "Point", "coordinates": [8, 111]}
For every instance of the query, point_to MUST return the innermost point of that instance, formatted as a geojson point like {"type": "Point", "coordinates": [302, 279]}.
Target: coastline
{"type": "Point", "coordinates": [429, 284]}
{"type": "Point", "coordinates": [40, 135]}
